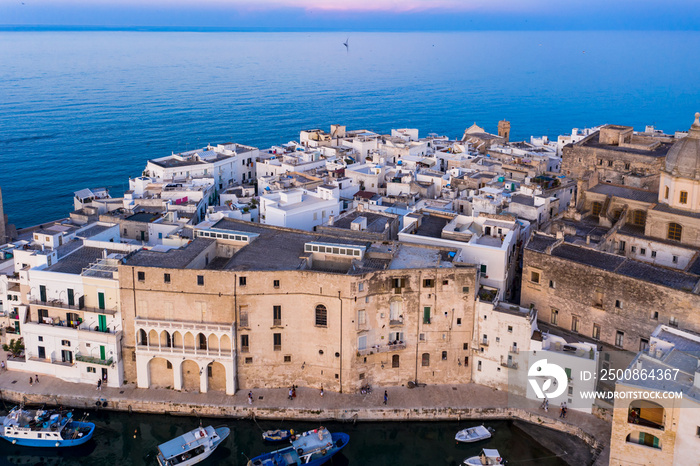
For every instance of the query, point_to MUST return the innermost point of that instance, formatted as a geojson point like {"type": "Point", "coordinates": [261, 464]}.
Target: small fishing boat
{"type": "Point", "coordinates": [312, 448]}
{"type": "Point", "coordinates": [191, 447]}
{"type": "Point", "coordinates": [474, 434]}
{"type": "Point", "coordinates": [487, 457]}
{"type": "Point", "coordinates": [44, 428]}
{"type": "Point", "coordinates": [277, 435]}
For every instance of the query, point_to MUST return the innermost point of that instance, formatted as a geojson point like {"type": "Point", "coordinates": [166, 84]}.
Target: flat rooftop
{"type": "Point", "coordinates": [593, 141]}
{"type": "Point", "coordinates": [376, 222]}
{"type": "Point", "coordinates": [625, 192]}
{"type": "Point", "coordinates": [432, 226]}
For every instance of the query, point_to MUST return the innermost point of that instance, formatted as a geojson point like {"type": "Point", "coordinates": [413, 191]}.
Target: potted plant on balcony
{"type": "Point", "coordinates": [15, 348]}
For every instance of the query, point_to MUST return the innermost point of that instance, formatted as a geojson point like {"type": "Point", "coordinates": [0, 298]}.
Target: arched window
{"type": "Point", "coordinates": [168, 340]}
{"type": "Point", "coordinates": [321, 317]}
{"type": "Point", "coordinates": [596, 207]}
{"type": "Point", "coordinates": [646, 413]}
{"type": "Point", "coordinates": [425, 360]}
{"type": "Point", "coordinates": [639, 217]}
{"type": "Point", "coordinates": [395, 360]}
{"type": "Point", "coordinates": [674, 232]}
{"type": "Point", "coordinates": [202, 341]}
{"type": "Point", "coordinates": [642, 438]}
{"type": "Point", "coordinates": [143, 337]}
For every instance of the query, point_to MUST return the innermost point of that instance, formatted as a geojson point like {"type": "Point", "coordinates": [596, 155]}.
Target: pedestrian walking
{"type": "Point", "coordinates": [250, 398]}
{"type": "Point", "coordinates": [386, 397]}
{"type": "Point", "coordinates": [291, 393]}
{"type": "Point", "coordinates": [99, 385]}
{"type": "Point", "coordinates": [2, 365]}
{"type": "Point", "coordinates": [563, 411]}
{"type": "Point", "coordinates": [31, 382]}
{"type": "Point", "coordinates": [321, 391]}
{"type": "Point", "coordinates": [36, 378]}
{"type": "Point", "coordinates": [546, 405]}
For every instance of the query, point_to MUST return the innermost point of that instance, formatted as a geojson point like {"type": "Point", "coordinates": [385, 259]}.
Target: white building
{"type": "Point", "coordinates": [300, 209]}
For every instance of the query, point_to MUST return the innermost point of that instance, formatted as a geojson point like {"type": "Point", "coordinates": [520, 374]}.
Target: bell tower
{"type": "Point", "coordinates": [504, 129]}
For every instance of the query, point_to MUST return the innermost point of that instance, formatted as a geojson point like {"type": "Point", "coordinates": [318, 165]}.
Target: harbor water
{"type": "Point", "coordinates": [132, 440]}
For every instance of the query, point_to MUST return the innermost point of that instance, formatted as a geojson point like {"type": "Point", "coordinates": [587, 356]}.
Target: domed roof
{"type": "Point", "coordinates": [683, 159]}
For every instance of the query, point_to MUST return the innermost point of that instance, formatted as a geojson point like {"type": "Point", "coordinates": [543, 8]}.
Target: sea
{"type": "Point", "coordinates": [86, 109]}
{"type": "Point", "coordinates": [123, 439]}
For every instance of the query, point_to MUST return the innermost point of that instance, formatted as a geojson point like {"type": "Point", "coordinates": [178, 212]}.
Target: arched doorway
{"type": "Point", "coordinates": [190, 376]}
{"type": "Point", "coordinates": [216, 373]}
{"type": "Point", "coordinates": [160, 373]}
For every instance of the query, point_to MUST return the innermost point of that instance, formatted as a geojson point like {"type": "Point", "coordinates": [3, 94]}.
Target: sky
{"type": "Point", "coordinates": [358, 14]}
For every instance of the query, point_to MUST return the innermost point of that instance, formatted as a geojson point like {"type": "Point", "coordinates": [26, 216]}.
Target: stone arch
{"type": "Point", "coordinates": [643, 438]}
{"type": "Point", "coordinates": [190, 376]}
{"type": "Point", "coordinates": [216, 374]}
{"type": "Point", "coordinates": [321, 316]}
{"type": "Point", "coordinates": [201, 342]}
{"type": "Point", "coordinates": [153, 338]}
{"type": "Point", "coordinates": [166, 340]}
{"type": "Point", "coordinates": [225, 343]}
{"type": "Point", "coordinates": [177, 339]}
{"type": "Point", "coordinates": [213, 343]}
{"type": "Point", "coordinates": [189, 341]}
{"type": "Point", "coordinates": [160, 373]}
{"type": "Point", "coordinates": [142, 337]}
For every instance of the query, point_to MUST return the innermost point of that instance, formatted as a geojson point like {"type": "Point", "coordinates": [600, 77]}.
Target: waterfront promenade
{"type": "Point", "coordinates": [433, 402]}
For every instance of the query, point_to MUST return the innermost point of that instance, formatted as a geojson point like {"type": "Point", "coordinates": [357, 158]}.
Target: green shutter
{"type": "Point", "coordinates": [426, 315]}
{"type": "Point", "coordinates": [483, 268]}
{"type": "Point", "coordinates": [568, 373]}
{"type": "Point", "coordinates": [42, 293]}
{"type": "Point", "coordinates": [71, 297]}
{"type": "Point", "coordinates": [102, 323]}
{"type": "Point", "coordinates": [102, 353]}
{"type": "Point", "coordinates": [101, 300]}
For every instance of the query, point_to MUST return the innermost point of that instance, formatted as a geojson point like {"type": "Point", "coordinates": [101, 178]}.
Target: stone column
{"type": "Point", "coordinates": [177, 375]}
{"type": "Point", "coordinates": [204, 379]}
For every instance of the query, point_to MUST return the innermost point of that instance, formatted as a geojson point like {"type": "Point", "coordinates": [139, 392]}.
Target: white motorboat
{"type": "Point", "coordinates": [473, 434]}
{"type": "Point", "coordinates": [192, 447]}
{"type": "Point", "coordinates": [487, 457]}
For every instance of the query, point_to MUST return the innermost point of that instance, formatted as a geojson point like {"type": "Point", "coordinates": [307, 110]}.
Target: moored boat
{"type": "Point", "coordinates": [312, 448]}
{"type": "Point", "coordinates": [277, 435]}
{"type": "Point", "coordinates": [473, 434]}
{"type": "Point", "coordinates": [487, 457]}
{"type": "Point", "coordinates": [191, 447]}
{"type": "Point", "coordinates": [44, 428]}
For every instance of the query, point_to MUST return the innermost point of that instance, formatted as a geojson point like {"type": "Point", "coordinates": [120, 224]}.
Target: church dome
{"type": "Point", "coordinates": [683, 159]}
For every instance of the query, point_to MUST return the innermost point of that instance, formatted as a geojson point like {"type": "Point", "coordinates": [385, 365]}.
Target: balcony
{"type": "Point", "coordinates": [57, 303]}
{"type": "Point", "coordinates": [14, 315]}
{"type": "Point", "coordinates": [484, 342]}
{"type": "Point", "coordinates": [91, 360]}
{"type": "Point", "coordinates": [514, 350]}
{"type": "Point", "coordinates": [510, 365]}
{"type": "Point", "coordinates": [395, 322]}
{"type": "Point", "coordinates": [155, 350]}
{"type": "Point", "coordinates": [276, 322]}
{"type": "Point", "coordinates": [382, 348]}
{"type": "Point", "coordinates": [194, 327]}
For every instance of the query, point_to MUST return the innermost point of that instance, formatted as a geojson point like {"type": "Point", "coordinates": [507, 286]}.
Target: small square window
{"type": "Point", "coordinates": [653, 253]}
{"type": "Point", "coordinates": [360, 286]}
{"type": "Point", "coordinates": [551, 284]}
{"type": "Point", "coordinates": [276, 283]}
{"type": "Point", "coordinates": [427, 283]}
{"type": "Point", "coordinates": [459, 321]}
{"type": "Point", "coordinates": [141, 276]}
{"type": "Point", "coordinates": [287, 358]}
{"type": "Point", "coordinates": [618, 304]}
{"type": "Point", "coordinates": [444, 355]}
{"type": "Point", "coordinates": [166, 278]}
{"type": "Point", "coordinates": [249, 360]}
{"type": "Point", "coordinates": [465, 289]}
{"type": "Point", "coordinates": [241, 281]}
{"type": "Point", "coordinates": [673, 321]}
{"type": "Point", "coordinates": [200, 280]}
{"type": "Point", "coordinates": [421, 337]}
{"type": "Point", "coordinates": [510, 329]}
{"type": "Point", "coordinates": [633, 249]}
{"type": "Point", "coordinates": [445, 282]}
{"type": "Point", "coordinates": [40, 338]}
{"type": "Point", "coordinates": [498, 339]}
{"type": "Point", "coordinates": [675, 259]}
{"type": "Point", "coordinates": [643, 251]}
{"type": "Point", "coordinates": [655, 315]}
{"type": "Point", "coordinates": [535, 277]}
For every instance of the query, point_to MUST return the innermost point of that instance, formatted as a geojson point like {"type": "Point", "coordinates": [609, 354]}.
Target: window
{"type": "Point", "coordinates": [643, 251]}
{"type": "Point", "coordinates": [478, 366]}
{"type": "Point", "coordinates": [673, 321]}
{"type": "Point", "coordinates": [618, 304]}
{"type": "Point", "coordinates": [639, 217]}
{"type": "Point", "coordinates": [245, 343]}
{"type": "Point", "coordinates": [683, 197]}
{"type": "Point", "coordinates": [41, 338]}
{"type": "Point", "coordinates": [619, 338]}
{"type": "Point", "coordinates": [610, 163]}
{"type": "Point", "coordinates": [397, 282]}
{"type": "Point", "coordinates": [574, 323]}
{"type": "Point", "coordinates": [666, 193]}
{"type": "Point", "coordinates": [141, 276]}
{"type": "Point", "coordinates": [425, 360]}
{"type": "Point", "coordinates": [622, 245]}
{"type": "Point", "coordinates": [465, 346]}
{"type": "Point", "coordinates": [169, 365]}
{"type": "Point", "coordinates": [554, 318]}
{"type": "Point", "coordinates": [360, 286]}
{"type": "Point", "coordinates": [91, 370]}
{"type": "Point", "coordinates": [551, 284]}
{"type": "Point", "coordinates": [210, 371]}
{"type": "Point", "coordinates": [483, 268]}
{"type": "Point", "coordinates": [426, 315]}
{"type": "Point", "coordinates": [600, 161]}
{"type": "Point", "coordinates": [445, 282]}
{"type": "Point", "coordinates": [288, 358]}
{"type": "Point", "coordinates": [444, 355]}
{"type": "Point", "coordinates": [321, 317]}
{"type": "Point", "coordinates": [276, 283]}
{"type": "Point", "coordinates": [655, 315]}
{"type": "Point", "coordinates": [627, 165]}
{"type": "Point", "coordinates": [535, 277]}
{"type": "Point", "coordinates": [674, 232]}
{"type": "Point", "coordinates": [465, 289]}
{"type": "Point", "coordinates": [166, 278]}
{"type": "Point", "coordinates": [596, 207]}
{"type": "Point", "coordinates": [276, 315]}
{"type": "Point", "coordinates": [361, 317]}
{"type": "Point", "coordinates": [200, 280]}
{"type": "Point", "coordinates": [633, 249]}
{"type": "Point", "coordinates": [596, 331]}
{"type": "Point", "coordinates": [65, 342]}
{"type": "Point", "coordinates": [277, 341]}
{"type": "Point", "coordinates": [675, 259]}
{"type": "Point", "coordinates": [395, 361]}
{"type": "Point", "coordinates": [395, 315]}
{"type": "Point", "coordinates": [421, 337]}
{"type": "Point", "coordinates": [510, 329]}
{"type": "Point", "coordinates": [459, 321]}
{"type": "Point", "coordinates": [243, 317]}
{"type": "Point", "coordinates": [653, 254]}
{"type": "Point", "coordinates": [428, 283]}
{"type": "Point", "coordinates": [241, 281]}
{"type": "Point", "coordinates": [643, 344]}
{"type": "Point", "coordinates": [249, 360]}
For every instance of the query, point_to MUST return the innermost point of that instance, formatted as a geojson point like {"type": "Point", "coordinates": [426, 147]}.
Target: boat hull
{"type": "Point", "coordinates": [340, 439]}
{"type": "Point", "coordinates": [42, 443]}
{"type": "Point", "coordinates": [222, 432]}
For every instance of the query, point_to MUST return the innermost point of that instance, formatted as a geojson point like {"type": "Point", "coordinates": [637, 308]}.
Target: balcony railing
{"type": "Point", "coordinates": [277, 322]}
{"type": "Point", "coordinates": [179, 350]}
{"type": "Point", "coordinates": [510, 365]}
{"type": "Point", "coordinates": [382, 348]}
{"type": "Point", "coordinates": [14, 315]}
{"type": "Point", "coordinates": [92, 360]}
{"type": "Point", "coordinates": [514, 350]}
{"type": "Point", "coordinates": [397, 322]}
{"type": "Point", "coordinates": [82, 326]}
{"type": "Point", "coordinates": [484, 342]}
{"type": "Point", "coordinates": [59, 304]}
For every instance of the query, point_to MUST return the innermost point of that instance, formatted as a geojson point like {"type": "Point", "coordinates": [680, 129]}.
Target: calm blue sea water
{"type": "Point", "coordinates": [86, 109]}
